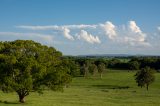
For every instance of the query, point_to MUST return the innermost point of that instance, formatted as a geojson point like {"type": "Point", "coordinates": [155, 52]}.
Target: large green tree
{"type": "Point", "coordinates": [145, 77]}
{"type": "Point", "coordinates": [27, 66]}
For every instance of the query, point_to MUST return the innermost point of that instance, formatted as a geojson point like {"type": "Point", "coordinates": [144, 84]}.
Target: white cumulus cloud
{"type": "Point", "coordinates": [130, 35]}
{"type": "Point", "coordinates": [88, 37]}
{"type": "Point", "coordinates": [110, 29]}
{"type": "Point", "coordinates": [66, 33]}
{"type": "Point", "coordinates": [136, 33]}
{"type": "Point", "coordinates": [133, 26]}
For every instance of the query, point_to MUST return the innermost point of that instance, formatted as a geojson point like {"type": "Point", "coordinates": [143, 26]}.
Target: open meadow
{"type": "Point", "coordinates": [116, 88]}
{"type": "Point", "coordinates": [79, 53]}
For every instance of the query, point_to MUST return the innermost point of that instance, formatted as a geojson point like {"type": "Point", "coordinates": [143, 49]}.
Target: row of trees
{"type": "Point", "coordinates": [89, 67]}
{"type": "Point", "coordinates": [93, 69]}
{"type": "Point", "coordinates": [145, 68]}
{"type": "Point", "coordinates": [135, 63]}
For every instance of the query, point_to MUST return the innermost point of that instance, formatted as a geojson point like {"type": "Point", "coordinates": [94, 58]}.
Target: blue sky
{"type": "Point", "coordinates": [77, 27]}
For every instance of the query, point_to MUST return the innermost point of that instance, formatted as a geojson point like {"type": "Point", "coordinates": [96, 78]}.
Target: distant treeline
{"type": "Point", "coordinates": [130, 63]}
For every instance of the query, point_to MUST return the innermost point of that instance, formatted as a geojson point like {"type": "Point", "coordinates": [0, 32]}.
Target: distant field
{"type": "Point", "coordinates": [116, 88]}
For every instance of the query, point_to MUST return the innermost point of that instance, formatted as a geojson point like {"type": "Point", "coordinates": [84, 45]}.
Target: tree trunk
{"type": "Point", "coordinates": [66, 85]}
{"type": "Point", "coordinates": [86, 74]}
{"type": "Point", "coordinates": [101, 75]}
{"type": "Point", "coordinates": [22, 93]}
{"type": "Point", "coordinates": [21, 98]}
{"type": "Point", "coordinates": [147, 87]}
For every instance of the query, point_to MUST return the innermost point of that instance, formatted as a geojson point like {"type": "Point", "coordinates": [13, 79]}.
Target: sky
{"type": "Point", "coordinates": [82, 27]}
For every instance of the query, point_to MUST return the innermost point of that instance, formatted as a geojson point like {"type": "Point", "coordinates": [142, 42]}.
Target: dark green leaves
{"type": "Point", "coordinates": [27, 66]}
{"type": "Point", "coordinates": [145, 77]}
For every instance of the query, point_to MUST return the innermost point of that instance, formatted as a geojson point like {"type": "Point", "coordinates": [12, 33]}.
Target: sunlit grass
{"type": "Point", "coordinates": [116, 88]}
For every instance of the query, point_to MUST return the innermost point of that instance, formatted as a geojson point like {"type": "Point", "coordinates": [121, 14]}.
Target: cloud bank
{"type": "Point", "coordinates": [65, 29]}
{"type": "Point", "coordinates": [101, 37]}
{"type": "Point", "coordinates": [130, 34]}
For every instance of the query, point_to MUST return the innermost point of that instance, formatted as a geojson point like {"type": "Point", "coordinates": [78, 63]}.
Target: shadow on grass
{"type": "Point", "coordinates": [7, 102]}
{"type": "Point", "coordinates": [110, 87]}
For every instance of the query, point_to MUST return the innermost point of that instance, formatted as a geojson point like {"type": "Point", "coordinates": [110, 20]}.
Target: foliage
{"type": "Point", "coordinates": [73, 67]}
{"type": "Point", "coordinates": [85, 70]}
{"type": "Point", "coordinates": [145, 77]}
{"type": "Point", "coordinates": [101, 69]}
{"type": "Point", "coordinates": [27, 66]}
{"type": "Point", "coordinates": [93, 69]}
{"type": "Point", "coordinates": [120, 63]}
{"type": "Point", "coordinates": [134, 65]}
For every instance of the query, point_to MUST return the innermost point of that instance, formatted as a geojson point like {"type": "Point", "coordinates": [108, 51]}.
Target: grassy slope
{"type": "Point", "coordinates": [111, 90]}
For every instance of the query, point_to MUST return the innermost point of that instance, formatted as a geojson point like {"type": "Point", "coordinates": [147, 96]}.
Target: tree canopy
{"type": "Point", "coordinates": [145, 77]}
{"type": "Point", "coordinates": [27, 66]}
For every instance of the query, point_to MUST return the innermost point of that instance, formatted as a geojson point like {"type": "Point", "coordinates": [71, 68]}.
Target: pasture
{"type": "Point", "coordinates": [116, 88]}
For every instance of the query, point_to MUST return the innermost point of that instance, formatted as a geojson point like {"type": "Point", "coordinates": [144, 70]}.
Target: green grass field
{"type": "Point", "coordinates": [116, 88]}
